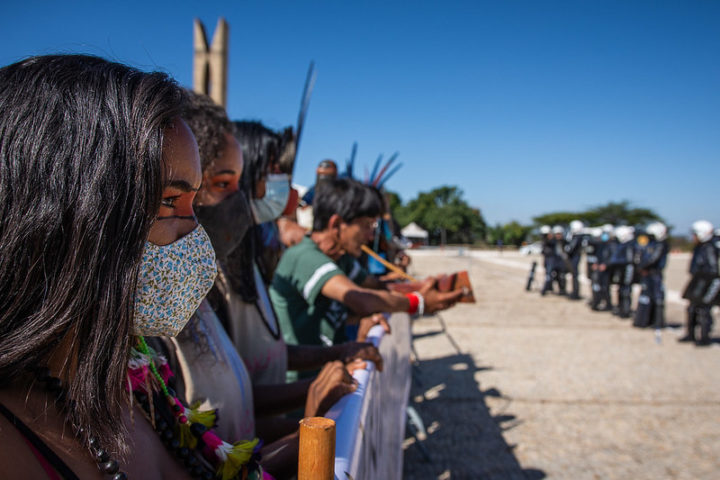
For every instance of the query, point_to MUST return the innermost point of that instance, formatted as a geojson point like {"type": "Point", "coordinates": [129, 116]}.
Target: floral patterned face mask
{"type": "Point", "coordinates": [173, 281]}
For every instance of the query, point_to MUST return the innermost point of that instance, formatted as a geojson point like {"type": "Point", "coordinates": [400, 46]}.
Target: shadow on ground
{"type": "Point", "coordinates": [464, 440]}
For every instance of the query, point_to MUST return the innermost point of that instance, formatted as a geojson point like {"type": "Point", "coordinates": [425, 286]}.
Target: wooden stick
{"type": "Point", "coordinates": [316, 456]}
{"type": "Point", "coordinates": [388, 265]}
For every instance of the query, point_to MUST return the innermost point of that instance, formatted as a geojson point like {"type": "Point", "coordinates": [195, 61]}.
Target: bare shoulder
{"type": "Point", "coordinates": [16, 458]}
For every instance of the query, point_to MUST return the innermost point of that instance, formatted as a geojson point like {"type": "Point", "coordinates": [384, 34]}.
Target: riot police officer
{"type": "Point", "coordinates": [573, 251]}
{"type": "Point", "coordinates": [548, 251]}
{"type": "Point", "coordinates": [601, 284]}
{"type": "Point", "coordinates": [604, 248]}
{"type": "Point", "coordinates": [652, 257]}
{"type": "Point", "coordinates": [704, 261]}
{"type": "Point", "coordinates": [561, 259]}
{"type": "Point", "coordinates": [624, 268]}
{"type": "Point", "coordinates": [590, 243]}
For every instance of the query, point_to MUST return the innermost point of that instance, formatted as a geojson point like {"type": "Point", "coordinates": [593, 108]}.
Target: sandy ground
{"type": "Point", "coordinates": [523, 386]}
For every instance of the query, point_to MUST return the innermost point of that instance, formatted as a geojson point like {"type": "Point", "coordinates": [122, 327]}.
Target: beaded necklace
{"type": "Point", "coordinates": [187, 429]}
{"type": "Point", "coordinates": [187, 432]}
{"type": "Point", "coordinates": [101, 456]}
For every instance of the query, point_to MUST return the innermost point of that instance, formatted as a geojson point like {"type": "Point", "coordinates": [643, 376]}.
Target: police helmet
{"type": "Point", "coordinates": [576, 227]}
{"type": "Point", "coordinates": [657, 230]}
{"type": "Point", "coordinates": [624, 233]}
{"type": "Point", "coordinates": [703, 230]}
{"type": "Point", "coordinates": [558, 229]}
{"type": "Point", "coordinates": [545, 229]}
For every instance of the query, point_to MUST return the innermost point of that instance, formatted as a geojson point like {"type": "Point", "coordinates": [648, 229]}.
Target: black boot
{"type": "Point", "coordinates": [691, 323]}
{"type": "Point", "coordinates": [575, 295]}
{"type": "Point", "coordinates": [561, 283]}
{"type": "Point", "coordinates": [624, 302]}
{"type": "Point", "coordinates": [705, 327]}
{"type": "Point", "coordinates": [549, 279]}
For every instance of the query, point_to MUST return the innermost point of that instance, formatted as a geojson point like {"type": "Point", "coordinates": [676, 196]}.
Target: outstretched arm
{"type": "Point", "coordinates": [311, 357]}
{"type": "Point", "coordinates": [365, 301]}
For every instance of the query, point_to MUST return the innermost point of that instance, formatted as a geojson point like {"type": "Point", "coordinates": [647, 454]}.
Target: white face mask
{"type": "Point", "coordinates": [271, 206]}
{"type": "Point", "coordinates": [173, 281]}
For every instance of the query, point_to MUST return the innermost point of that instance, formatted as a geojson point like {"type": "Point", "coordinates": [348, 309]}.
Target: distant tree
{"type": "Point", "coordinates": [615, 213]}
{"type": "Point", "coordinates": [558, 218]}
{"type": "Point", "coordinates": [444, 214]}
{"type": "Point", "coordinates": [512, 233]}
{"type": "Point", "coordinates": [394, 200]}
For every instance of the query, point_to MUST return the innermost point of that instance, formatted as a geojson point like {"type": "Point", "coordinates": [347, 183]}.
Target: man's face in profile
{"type": "Point", "coordinates": [327, 170]}
{"type": "Point", "coordinates": [355, 234]}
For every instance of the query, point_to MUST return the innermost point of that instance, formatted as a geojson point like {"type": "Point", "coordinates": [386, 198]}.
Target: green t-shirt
{"type": "Point", "coordinates": [306, 316]}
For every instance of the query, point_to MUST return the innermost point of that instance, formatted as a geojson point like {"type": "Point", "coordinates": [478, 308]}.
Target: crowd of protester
{"type": "Point", "coordinates": [165, 314]}
{"type": "Point", "coordinates": [622, 256]}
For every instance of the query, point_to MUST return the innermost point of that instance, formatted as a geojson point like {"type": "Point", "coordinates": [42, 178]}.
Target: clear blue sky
{"type": "Point", "coordinates": [528, 106]}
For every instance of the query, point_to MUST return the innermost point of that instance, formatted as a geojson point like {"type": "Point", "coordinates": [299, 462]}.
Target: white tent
{"type": "Point", "coordinates": [413, 231]}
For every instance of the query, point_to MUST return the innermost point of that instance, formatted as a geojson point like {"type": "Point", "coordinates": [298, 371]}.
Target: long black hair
{"type": "Point", "coordinates": [81, 178]}
{"type": "Point", "coordinates": [209, 123]}
{"type": "Point", "coordinates": [261, 149]}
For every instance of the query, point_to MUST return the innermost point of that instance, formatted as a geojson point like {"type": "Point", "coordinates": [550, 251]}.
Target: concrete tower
{"type": "Point", "coordinates": [210, 64]}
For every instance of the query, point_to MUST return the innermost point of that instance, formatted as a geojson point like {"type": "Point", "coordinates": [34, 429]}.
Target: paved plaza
{"type": "Point", "coordinates": [520, 386]}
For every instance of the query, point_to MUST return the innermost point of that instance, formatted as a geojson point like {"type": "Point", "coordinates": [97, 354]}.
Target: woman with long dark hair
{"type": "Point", "coordinates": [97, 177]}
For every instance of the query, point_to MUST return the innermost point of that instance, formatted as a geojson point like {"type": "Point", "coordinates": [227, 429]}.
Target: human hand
{"type": "Point", "coordinates": [333, 383]}
{"type": "Point", "coordinates": [361, 351]}
{"type": "Point", "coordinates": [436, 300]}
{"type": "Point", "coordinates": [366, 323]}
{"type": "Point", "coordinates": [402, 260]}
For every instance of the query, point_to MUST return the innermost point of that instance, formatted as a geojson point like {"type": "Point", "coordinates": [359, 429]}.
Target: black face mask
{"type": "Point", "coordinates": [226, 223]}
{"type": "Point", "coordinates": [324, 178]}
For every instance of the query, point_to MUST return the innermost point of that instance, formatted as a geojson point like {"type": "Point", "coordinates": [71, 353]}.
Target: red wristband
{"type": "Point", "coordinates": [414, 303]}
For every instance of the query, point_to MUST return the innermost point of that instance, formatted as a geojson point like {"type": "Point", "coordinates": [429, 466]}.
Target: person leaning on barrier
{"type": "Point", "coordinates": [704, 261]}
{"type": "Point", "coordinates": [653, 257]}
{"type": "Point", "coordinates": [97, 177]}
{"type": "Point", "coordinates": [209, 369]}
{"type": "Point", "coordinates": [313, 289]}
{"type": "Point", "coordinates": [573, 250]}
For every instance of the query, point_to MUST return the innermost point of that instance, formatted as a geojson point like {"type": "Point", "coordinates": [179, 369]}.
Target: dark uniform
{"type": "Point", "coordinates": [590, 244]}
{"type": "Point", "coordinates": [704, 260]}
{"type": "Point", "coordinates": [573, 250]}
{"type": "Point", "coordinates": [555, 265]}
{"type": "Point", "coordinates": [651, 302]}
{"type": "Point", "coordinates": [548, 251]}
{"type": "Point", "coordinates": [600, 276]}
{"type": "Point", "coordinates": [561, 263]}
{"type": "Point", "coordinates": [624, 270]}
